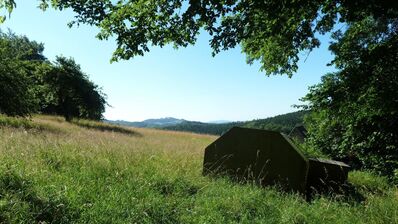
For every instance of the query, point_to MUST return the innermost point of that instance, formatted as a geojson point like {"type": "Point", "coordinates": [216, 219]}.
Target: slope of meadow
{"type": "Point", "coordinates": [87, 172]}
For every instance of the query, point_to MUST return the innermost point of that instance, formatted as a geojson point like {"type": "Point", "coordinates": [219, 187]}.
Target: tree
{"type": "Point", "coordinates": [29, 83]}
{"type": "Point", "coordinates": [355, 110]}
{"type": "Point", "coordinates": [75, 95]}
{"type": "Point", "coordinates": [16, 92]}
{"type": "Point", "coordinates": [19, 58]}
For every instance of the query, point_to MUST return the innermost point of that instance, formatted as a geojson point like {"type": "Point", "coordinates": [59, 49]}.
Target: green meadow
{"type": "Point", "coordinates": [52, 171]}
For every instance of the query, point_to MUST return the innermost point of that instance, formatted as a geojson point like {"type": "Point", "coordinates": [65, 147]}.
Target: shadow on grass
{"type": "Point", "coordinates": [167, 208]}
{"type": "Point", "coordinates": [100, 126]}
{"type": "Point", "coordinates": [347, 193]}
{"type": "Point", "coordinates": [175, 187]}
{"type": "Point", "coordinates": [360, 186]}
{"type": "Point", "coordinates": [18, 196]}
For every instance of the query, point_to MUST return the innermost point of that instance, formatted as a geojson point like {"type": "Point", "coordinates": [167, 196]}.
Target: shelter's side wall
{"type": "Point", "coordinates": [286, 166]}
{"type": "Point", "coordinates": [264, 156]}
{"type": "Point", "coordinates": [217, 159]}
{"type": "Point", "coordinates": [233, 154]}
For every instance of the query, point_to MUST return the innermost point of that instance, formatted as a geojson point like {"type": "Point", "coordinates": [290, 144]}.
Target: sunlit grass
{"type": "Point", "coordinates": [87, 175]}
{"type": "Point", "coordinates": [101, 126]}
{"type": "Point", "coordinates": [24, 124]}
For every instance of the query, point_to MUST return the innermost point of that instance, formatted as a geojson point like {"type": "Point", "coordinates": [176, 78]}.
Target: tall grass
{"type": "Point", "coordinates": [24, 124]}
{"type": "Point", "coordinates": [83, 175]}
{"type": "Point", "coordinates": [102, 126]}
{"type": "Point", "coordinates": [17, 122]}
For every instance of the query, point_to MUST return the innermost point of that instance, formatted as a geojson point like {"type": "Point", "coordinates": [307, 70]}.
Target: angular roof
{"type": "Point", "coordinates": [328, 161]}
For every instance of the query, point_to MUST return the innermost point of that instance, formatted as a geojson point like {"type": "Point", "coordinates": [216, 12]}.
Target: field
{"type": "Point", "coordinates": [52, 171]}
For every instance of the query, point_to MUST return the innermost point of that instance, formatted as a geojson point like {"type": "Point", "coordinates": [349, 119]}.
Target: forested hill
{"type": "Point", "coordinates": [149, 123]}
{"type": "Point", "coordinates": [203, 128]}
{"type": "Point", "coordinates": [282, 123]}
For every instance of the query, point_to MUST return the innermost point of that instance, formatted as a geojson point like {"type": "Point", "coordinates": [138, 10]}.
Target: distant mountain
{"type": "Point", "coordinates": [282, 123]}
{"type": "Point", "coordinates": [203, 128]}
{"type": "Point", "coordinates": [219, 122]}
{"type": "Point", "coordinates": [150, 123]}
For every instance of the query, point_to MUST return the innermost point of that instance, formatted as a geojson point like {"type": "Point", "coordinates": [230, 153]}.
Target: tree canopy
{"type": "Point", "coordinates": [18, 59]}
{"type": "Point", "coordinates": [29, 83]}
{"type": "Point", "coordinates": [355, 110]}
{"type": "Point", "coordinates": [76, 95]}
{"type": "Point", "coordinates": [271, 32]}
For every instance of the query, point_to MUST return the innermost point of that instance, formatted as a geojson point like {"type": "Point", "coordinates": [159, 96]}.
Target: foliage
{"type": "Point", "coordinates": [16, 96]}
{"type": "Point", "coordinates": [271, 32]}
{"type": "Point", "coordinates": [30, 84]}
{"type": "Point", "coordinates": [9, 5]}
{"type": "Point", "coordinates": [310, 151]}
{"type": "Point", "coordinates": [282, 123]}
{"type": "Point", "coordinates": [355, 110]}
{"type": "Point", "coordinates": [88, 176]}
{"type": "Point", "coordinates": [75, 95]}
{"type": "Point", "coordinates": [18, 59]}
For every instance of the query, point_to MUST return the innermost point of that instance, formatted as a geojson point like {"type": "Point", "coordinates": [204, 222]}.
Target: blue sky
{"type": "Point", "coordinates": [186, 83]}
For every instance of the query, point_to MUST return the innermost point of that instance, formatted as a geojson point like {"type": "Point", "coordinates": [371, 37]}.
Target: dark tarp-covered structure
{"type": "Point", "coordinates": [324, 175]}
{"type": "Point", "coordinates": [269, 157]}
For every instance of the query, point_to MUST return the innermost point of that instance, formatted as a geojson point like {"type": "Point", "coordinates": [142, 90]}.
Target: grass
{"type": "Point", "coordinates": [86, 175]}
{"type": "Point", "coordinates": [102, 126]}
{"type": "Point", "coordinates": [23, 123]}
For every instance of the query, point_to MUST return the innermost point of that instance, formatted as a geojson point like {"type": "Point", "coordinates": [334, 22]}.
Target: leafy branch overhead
{"type": "Point", "coordinates": [270, 32]}
{"type": "Point", "coordinates": [8, 5]}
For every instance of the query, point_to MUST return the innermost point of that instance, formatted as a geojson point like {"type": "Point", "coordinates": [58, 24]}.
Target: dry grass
{"type": "Point", "coordinates": [91, 175]}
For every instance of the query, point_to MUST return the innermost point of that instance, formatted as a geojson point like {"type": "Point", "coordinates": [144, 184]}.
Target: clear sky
{"type": "Point", "coordinates": [185, 83]}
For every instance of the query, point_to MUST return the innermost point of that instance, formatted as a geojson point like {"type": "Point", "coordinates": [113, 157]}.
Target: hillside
{"type": "Point", "coordinates": [202, 128]}
{"type": "Point", "coordinates": [52, 171]}
{"type": "Point", "coordinates": [282, 123]}
{"type": "Point", "coordinates": [149, 123]}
